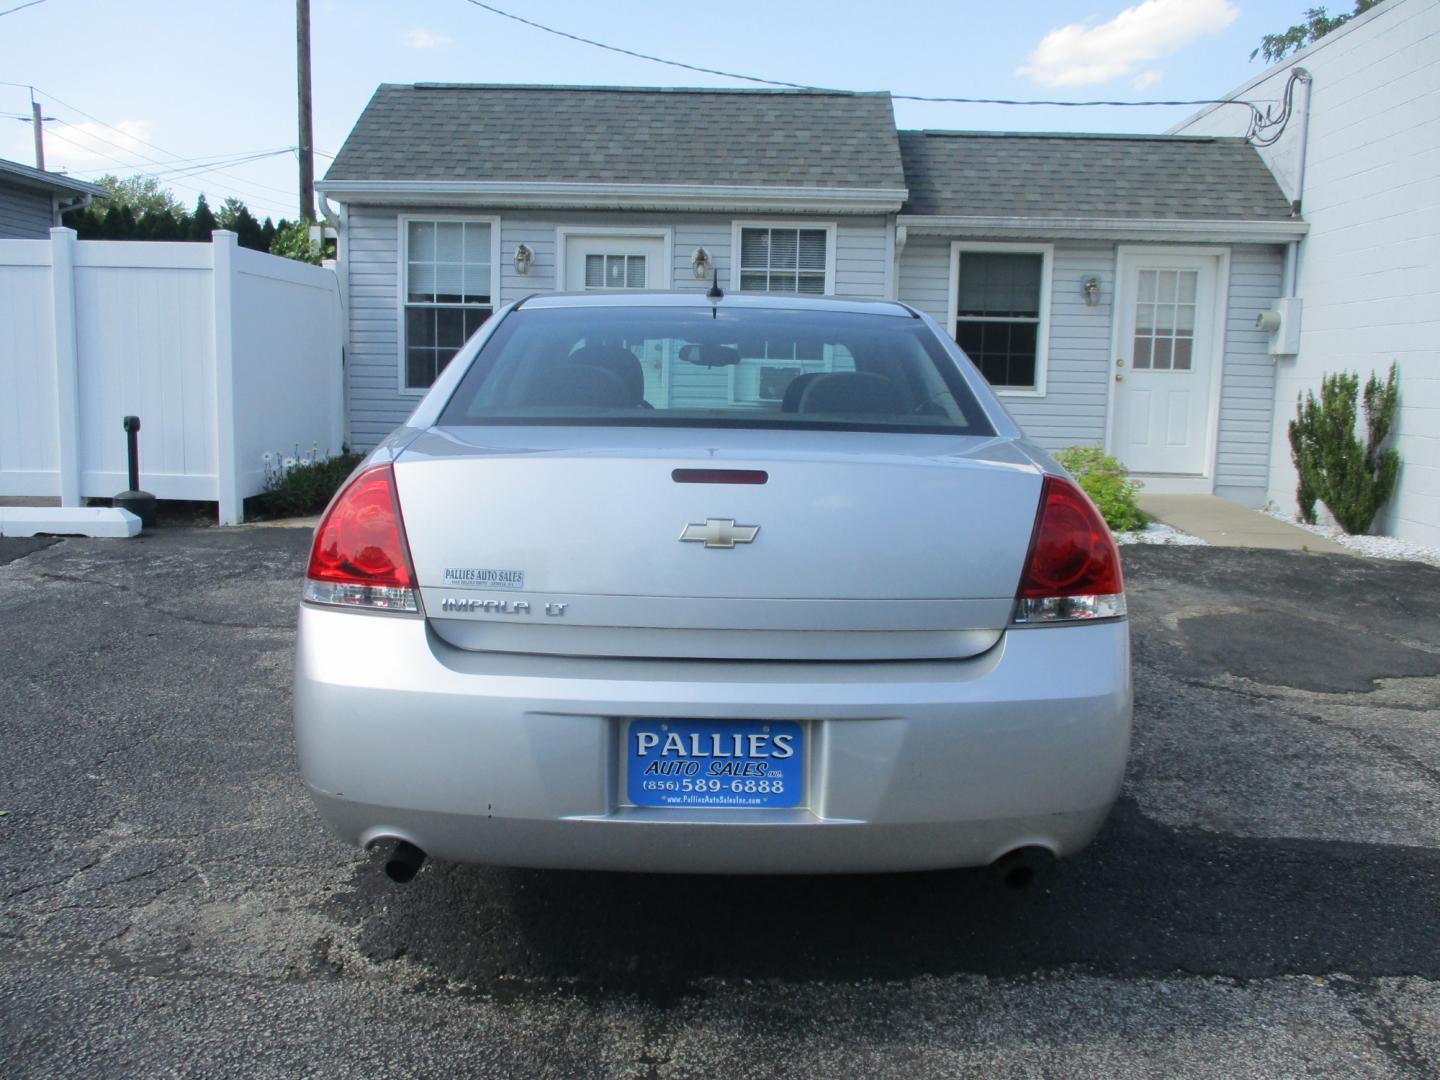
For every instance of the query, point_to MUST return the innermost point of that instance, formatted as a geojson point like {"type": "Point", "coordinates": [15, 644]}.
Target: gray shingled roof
{"type": "Point", "coordinates": [1001, 174]}
{"type": "Point", "coordinates": [25, 176]}
{"type": "Point", "coordinates": [620, 135]}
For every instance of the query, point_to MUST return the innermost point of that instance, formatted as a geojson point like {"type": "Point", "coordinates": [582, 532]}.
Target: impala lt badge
{"type": "Point", "coordinates": [720, 533]}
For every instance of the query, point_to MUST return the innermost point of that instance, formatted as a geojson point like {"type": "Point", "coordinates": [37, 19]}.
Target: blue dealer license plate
{"type": "Point", "coordinates": [717, 763]}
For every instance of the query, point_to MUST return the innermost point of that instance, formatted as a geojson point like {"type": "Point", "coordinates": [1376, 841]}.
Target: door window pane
{"type": "Point", "coordinates": [635, 271]}
{"type": "Point", "coordinates": [1165, 306]}
{"type": "Point", "coordinates": [615, 272]}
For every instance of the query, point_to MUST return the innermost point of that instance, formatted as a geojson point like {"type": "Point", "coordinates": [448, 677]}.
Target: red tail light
{"type": "Point", "coordinates": [1072, 571]}
{"type": "Point", "coordinates": [359, 557]}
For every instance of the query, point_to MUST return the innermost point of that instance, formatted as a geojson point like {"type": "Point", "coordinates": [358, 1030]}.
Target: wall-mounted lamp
{"type": "Point", "coordinates": [523, 258]}
{"type": "Point", "coordinates": [700, 263]}
{"type": "Point", "coordinates": [1090, 289]}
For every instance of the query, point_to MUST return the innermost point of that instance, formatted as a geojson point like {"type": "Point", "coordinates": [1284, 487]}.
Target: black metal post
{"type": "Point", "coordinates": [140, 503]}
{"type": "Point", "coordinates": [132, 449]}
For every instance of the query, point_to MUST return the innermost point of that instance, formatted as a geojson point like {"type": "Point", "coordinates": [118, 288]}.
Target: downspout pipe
{"type": "Point", "coordinates": [63, 208]}
{"type": "Point", "coordinates": [1306, 80]}
{"type": "Point", "coordinates": [339, 220]}
{"type": "Point", "coordinates": [1292, 250]}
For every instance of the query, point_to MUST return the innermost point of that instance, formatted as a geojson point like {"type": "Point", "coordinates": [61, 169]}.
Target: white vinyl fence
{"type": "Point", "coordinates": [224, 354]}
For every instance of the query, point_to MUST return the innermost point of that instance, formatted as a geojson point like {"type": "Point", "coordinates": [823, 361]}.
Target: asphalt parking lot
{"type": "Point", "coordinates": [1265, 901]}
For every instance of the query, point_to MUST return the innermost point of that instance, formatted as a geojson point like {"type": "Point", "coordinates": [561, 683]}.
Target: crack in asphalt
{"type": "Point", "coordinates": [154, 604]}
{"type": "Point", "coordinates": [61, 880]}
{"type": "Point", "coordinates": [1389, 1034]}
{"type": "Point", "coordinates": [1370, 739]}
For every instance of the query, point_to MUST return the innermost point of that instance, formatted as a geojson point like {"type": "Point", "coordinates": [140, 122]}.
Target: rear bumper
{"type": "Point", "coordinates": [518, 760]}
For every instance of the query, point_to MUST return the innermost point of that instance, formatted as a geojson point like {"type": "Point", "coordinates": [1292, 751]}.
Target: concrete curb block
{"type": "Point", "coordinates": [68, 521]}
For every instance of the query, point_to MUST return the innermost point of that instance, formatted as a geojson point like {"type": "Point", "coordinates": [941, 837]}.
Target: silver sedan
{"type": "Point", "coordinates": [735, 584]}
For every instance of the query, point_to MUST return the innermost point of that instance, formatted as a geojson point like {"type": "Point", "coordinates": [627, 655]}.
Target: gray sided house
{"type": "Point", "coordinates": [1108, 286]}
{"type": "Point", "coordinates": [31, 201]}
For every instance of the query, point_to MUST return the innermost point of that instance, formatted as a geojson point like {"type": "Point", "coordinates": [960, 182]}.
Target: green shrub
{"type": "Point", "coordinates": [293, 242]}
{"type": "Point", "coordinates": [1104, 479]}
{"type": "Point", "coordinates": [1352, 479]}
{"type": "Point", "coordinates": [298, 486]}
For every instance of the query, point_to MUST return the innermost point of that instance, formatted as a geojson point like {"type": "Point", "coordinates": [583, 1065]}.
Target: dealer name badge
{"type": "Point", "coordinates": [479, 577]}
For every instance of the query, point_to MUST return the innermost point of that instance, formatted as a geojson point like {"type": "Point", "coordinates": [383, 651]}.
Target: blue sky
{"type": "Point", "coordinates": [165, 86]}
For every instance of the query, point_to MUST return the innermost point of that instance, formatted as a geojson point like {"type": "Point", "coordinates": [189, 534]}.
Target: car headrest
{"type": "Point", "coordinates": [851, 392]}
{"type": "Point", "coordinates": [791, 401]}
{"type": "Point", "coordinates": [578, 385]}
{"type": "Point", "coordinates": [620, 362]}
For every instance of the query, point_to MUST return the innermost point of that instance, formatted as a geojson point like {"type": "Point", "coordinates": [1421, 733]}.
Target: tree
{"type": "Point", "coordinates": [292, 241]}
{"type": "Point", "coordinates": [1353, 479]}
{"type": "Point", "coordinates": [142, 194]}
{"type": "Point", "coordinates": [139, 208]}
{"type": "Point", "coordinates": [202, 222]}
{"type": "Point", "coordinates": [1318, 22]}
{"type": "Point", "coordinates": [235, 216]}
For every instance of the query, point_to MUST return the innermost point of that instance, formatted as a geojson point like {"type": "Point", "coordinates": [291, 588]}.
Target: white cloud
{"type": "Point", "coordinates": [420, 38]}
{"type": "Point", "coordinates": [87, 148]}
{"type": "Point", "coordinates": [1147, 78]}
{"type": "Point", "coordinates": [1082, 54]}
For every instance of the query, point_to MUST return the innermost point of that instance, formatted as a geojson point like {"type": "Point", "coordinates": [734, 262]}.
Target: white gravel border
{"type": "Point", "coordinates": [1376, 547]}
{"type": "Point", "coordinates": [1156, 533]}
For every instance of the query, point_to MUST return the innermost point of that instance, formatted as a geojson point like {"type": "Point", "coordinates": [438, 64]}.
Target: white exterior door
{"type": "Point", "coordinates": [613, 263]}
{"type": "Point", "coordinates": [1167, 363]}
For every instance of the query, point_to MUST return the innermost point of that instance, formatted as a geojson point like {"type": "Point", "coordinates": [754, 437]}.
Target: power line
{"type": "Point", "coordinates": [152, 160]}
{"type": "Point", "coordinates": [144, 142]}
{"type": "Point", "coordinates": [177, 165]}
{"type": "Point", "coordinates": [638, 55]}
{"type": "Point", "coordinates": [21, 7]}
{"type": "Point", "coordinates": [262, 202]}
{"type": "Point", "coordinates": [1255, 112]}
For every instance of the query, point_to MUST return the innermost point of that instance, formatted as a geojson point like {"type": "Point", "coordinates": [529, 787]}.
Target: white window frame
{"type": "Point", "coordinates": [402, 269]}
{"type": "Point", "coordinates": [1042, 330]}
{"type": "Point", "coordinates": [736, 228]}
{"type": "Point", "coordinates": [565, 233]}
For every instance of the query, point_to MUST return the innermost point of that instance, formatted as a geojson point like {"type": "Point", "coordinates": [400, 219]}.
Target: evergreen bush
{"type": "Point", "coordinates": [1105, 480]}
{"type": "Point", "coordinates": [1353, 479]}
{"type": "Point", "coordinates": [298, 486]}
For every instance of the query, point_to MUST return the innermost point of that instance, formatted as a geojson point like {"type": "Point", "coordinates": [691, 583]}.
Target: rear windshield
{"type": "Point", "coordinates": [749, 367]}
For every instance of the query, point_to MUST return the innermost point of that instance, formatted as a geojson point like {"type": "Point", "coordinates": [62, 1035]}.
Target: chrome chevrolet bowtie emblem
{"type": "Point", "coordinates": [720, 533]}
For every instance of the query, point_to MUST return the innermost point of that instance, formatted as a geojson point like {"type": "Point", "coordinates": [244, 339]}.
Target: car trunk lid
{"type": "Point", "coordinates": [580, 541]}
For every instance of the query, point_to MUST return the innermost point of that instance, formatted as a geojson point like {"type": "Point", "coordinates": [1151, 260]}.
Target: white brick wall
{"type": "Point", "coordinates": [1370, 267]}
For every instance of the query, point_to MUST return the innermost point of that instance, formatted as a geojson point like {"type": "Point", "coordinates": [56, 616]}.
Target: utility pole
{"type": "Point", "coordinates": [307, 136]}
{"type": "Point", "coordinates": [39, 121]}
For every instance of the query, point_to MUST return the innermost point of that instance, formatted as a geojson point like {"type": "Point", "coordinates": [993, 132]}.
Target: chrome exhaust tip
{"type": "Point", "coordinates": [1018, 869]}
{"type": "Point", "coordinates": [404, 862]}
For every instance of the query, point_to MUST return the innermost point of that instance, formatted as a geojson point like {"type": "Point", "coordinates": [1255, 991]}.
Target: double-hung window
{"type": "Point", "coordinates": [448, 291]}
{"type": "Point", "coordinates": [1002, 301]}
{"type": "Point", "coordinates": [785, 258]}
